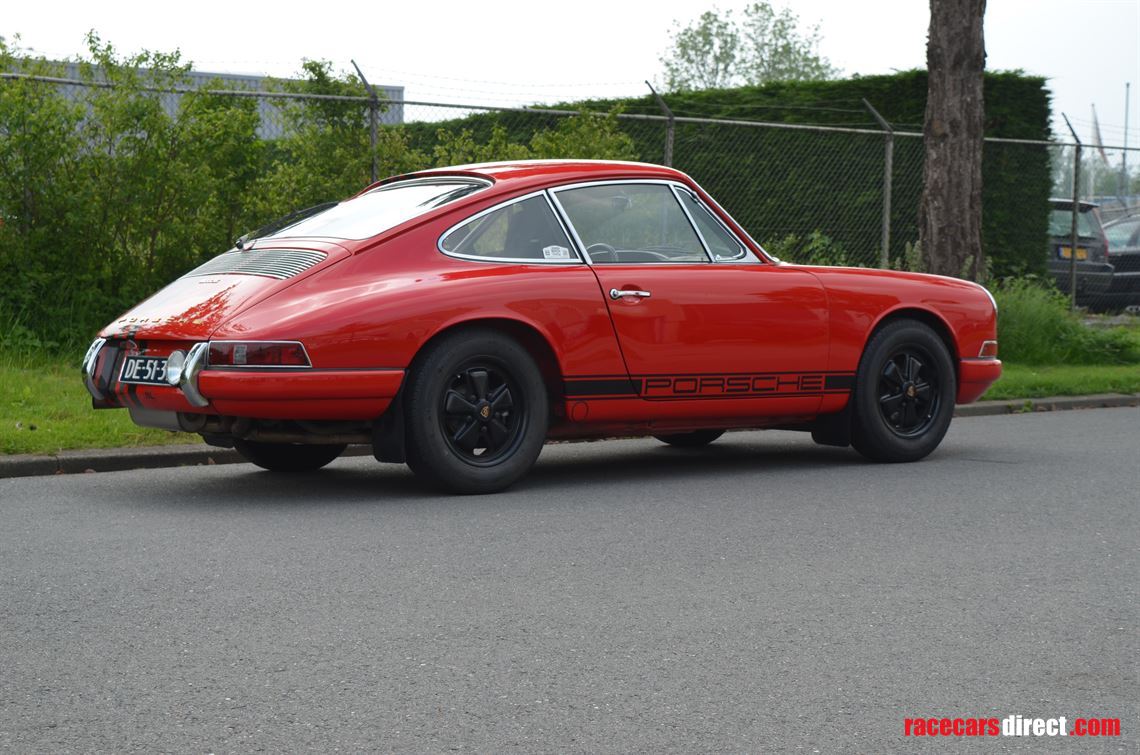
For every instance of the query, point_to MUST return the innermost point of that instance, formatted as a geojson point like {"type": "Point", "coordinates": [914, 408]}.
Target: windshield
{"type": "Point", "coordinates": [1124, 233]}
{"type": "Point", "coordinates": [382, 208]}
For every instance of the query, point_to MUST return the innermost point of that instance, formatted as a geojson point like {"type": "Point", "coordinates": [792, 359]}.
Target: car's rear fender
{"type": "Point", "coordinates": [529, 335]}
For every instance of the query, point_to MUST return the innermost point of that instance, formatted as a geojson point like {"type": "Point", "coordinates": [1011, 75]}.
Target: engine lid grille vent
{"type": "Point", "coordinates": [273, 263]}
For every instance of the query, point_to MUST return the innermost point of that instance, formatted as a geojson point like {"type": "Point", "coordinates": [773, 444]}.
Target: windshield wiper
{"type": "Point", "coordinates": [282, 223]}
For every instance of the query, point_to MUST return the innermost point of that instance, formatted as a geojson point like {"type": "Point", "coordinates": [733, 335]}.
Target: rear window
{"type": "Point", "coordinates": [382, 208]}
{"type": "Point", "coordinates": [1061, 223]}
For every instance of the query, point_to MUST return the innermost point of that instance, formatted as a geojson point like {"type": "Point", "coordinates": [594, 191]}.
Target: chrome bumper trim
{"type": "Point", "coordinates": [89, 362]}
{"type": "Point", "coordinates": [195, 361]}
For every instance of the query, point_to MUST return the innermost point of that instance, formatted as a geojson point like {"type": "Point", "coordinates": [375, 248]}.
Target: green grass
{"type": "Point", "coordinates": [1034, 381]}
{"type": "Point", "coordinates": [1035, 326]}
{"type": "Point", "coordinates": [44, 408]}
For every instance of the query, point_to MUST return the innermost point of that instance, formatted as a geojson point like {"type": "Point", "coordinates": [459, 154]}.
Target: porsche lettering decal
{"type": "Point", "coordinates": [758, 385]}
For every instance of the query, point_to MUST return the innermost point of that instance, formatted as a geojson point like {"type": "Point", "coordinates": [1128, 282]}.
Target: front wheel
{"type": "Point", "coordinates": [288, 457]}
{"type": "Point", "coordinates": [476, 412]}
{"type": "Point", "coordinates": [904, 393]}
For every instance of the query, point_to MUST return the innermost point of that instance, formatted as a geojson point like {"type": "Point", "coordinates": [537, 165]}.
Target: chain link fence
{"type": "Point", "coordinates": [175, 173]}
{"type": "Point", "coordinates": [1094, 226]}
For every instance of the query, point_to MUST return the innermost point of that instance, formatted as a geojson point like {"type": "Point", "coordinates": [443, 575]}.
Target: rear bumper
{"type": "Point", "coordinates": [975, 376]}
{"type": "Point", "coordinates": [1125, 282]}
{"type": "Point", "coordinates": [301, 394]}
{"type": "Point", "coordinates": [257, 393]}
{"type": "Point", "coordinates": [1092, 277]}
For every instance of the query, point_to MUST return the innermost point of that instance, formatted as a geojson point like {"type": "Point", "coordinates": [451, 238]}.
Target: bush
{"type": "Point", "coordinates": [107, 195]}
{"type": "Point", "coordinates": [1035, 326]}
{"type": "Point", "coordinates": [815, 249]}
{"type": "Point", "coordinates": [777, 182]}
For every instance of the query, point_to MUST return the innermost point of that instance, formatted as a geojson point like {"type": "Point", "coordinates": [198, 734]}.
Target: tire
{"type": "Point", "coordinates": [904, 393]}
{"type": "Point", "coordinates": [288, 457]}
{"type": "Point", "coordinates": [476, 413]}
{"type": "Point", "coordinates": [693, 439]}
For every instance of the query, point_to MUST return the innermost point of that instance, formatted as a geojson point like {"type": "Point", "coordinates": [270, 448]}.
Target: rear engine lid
{"type": "Point", "coordinates": [195, 305]}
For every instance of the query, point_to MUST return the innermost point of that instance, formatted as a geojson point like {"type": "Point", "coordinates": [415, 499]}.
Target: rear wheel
{"type": "Point", "coordinates": [692, 439]}
{"type": "Point", "coordinates": [904, 393]}
{"type": "Point", "coordinates": [476, 413]}
{"type": "Point", "coordinates": [288, 457]}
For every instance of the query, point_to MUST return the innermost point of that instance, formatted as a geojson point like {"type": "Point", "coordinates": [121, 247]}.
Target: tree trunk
{"type": "Point", "coordinates": [950, 214]}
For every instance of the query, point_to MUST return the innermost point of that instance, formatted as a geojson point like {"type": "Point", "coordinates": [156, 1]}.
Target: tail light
{"type": "Point", "coordinates": [257, 354]}
{"type": "Point", "coordinates": [989, 350]}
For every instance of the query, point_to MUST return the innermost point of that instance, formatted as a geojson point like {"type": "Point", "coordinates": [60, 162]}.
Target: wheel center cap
{"type": "Point", "coordinates": [910, 391]}
{"type": "Point", "coordinates": [485, 411]}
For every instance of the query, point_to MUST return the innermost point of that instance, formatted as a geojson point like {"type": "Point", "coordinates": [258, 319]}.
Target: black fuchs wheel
{"type": "Point", "coordinates": [476, 412]}
{"type": "Point", "coordinates": [288, 457]}
{"type": "Point", "coordinates": [904, 393]}
{"type": "Point", "coordinates": [690, 440]}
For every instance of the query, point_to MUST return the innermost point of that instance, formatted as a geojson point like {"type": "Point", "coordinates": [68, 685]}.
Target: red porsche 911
{"type": "Point", "coordinates": [455, 319]}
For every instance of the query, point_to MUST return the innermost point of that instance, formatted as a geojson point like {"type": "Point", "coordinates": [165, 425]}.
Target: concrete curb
{"type": "Point", "coordinates": [1055, 404]}
{"type": "Point", "coordinates": [158, 457]}
{"type": "Point", "coordinates": [119, 459]}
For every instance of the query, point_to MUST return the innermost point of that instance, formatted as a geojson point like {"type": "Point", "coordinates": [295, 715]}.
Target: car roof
{"type": "Point", "coordinates": [524, 174]}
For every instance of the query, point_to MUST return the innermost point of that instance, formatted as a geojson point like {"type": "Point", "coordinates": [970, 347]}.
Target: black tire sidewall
{"type": "Point", "coordinates": [428, 452]}
{"type": "Point", "coordinates": [870, 434]}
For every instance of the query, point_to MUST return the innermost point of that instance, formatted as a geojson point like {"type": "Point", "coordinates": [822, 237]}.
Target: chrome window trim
{"type": "Point", "coordinates": [577, 260]}
{"type": "Point", "coordinates": [485, 183]}
{"type": "Point", "coordinates": [628, 181]}
{"type": "Point", "coordinates": [564, 219]}
{"type": "Point", "coordinates": [692, 222]}
{"type": "Point", "coordinates": [478, 181]}
{"type": "Point", "coordinates": [674, 184]}
{"type": "Point", "coordinates": [763, 257]}
{"type": "Point", "coordinates": [744, 250]}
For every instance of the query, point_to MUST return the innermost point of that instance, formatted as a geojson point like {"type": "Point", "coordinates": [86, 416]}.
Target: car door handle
{"type": "Point", "coordinates": [616, 294]}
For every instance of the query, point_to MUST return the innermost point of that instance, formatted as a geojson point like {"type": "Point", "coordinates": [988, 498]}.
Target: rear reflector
{"type": "Point", "coordinates": [257, 354]}
{"type": "Point", "coordinates": [989, 350]}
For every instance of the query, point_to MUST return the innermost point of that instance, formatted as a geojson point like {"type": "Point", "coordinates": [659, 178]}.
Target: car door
{"type": "Point", "coordinates": [696, 314]}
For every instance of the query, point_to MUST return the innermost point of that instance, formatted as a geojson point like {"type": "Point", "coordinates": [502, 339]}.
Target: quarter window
{"type": "Point", "coordinates": [624, 223]}
{"type": "Point", "coordinates": [722, 245]}
{"type": "Point", "coordinates": [525, 230]}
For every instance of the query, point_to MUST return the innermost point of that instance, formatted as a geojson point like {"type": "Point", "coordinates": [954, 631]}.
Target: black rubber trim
{"type": "Point", "coordinates": [839, 382]}
{"type": "Point", "coordinates": [614, 387]}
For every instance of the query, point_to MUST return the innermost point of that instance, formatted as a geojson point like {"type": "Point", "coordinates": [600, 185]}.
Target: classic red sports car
{"type": "Point", "coordinates": [457, 318]}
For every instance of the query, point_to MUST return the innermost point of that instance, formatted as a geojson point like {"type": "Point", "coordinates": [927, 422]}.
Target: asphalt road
{"type": "Point", "coordinates": [763, 594]}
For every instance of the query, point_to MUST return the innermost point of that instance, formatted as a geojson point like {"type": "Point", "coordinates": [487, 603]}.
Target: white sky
{"type": "Point", "coordinates": [525, 52]}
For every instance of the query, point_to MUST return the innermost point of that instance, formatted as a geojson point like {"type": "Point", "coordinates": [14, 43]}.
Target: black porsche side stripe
{"type": "Point", "coordinates": [602, 387]}
{"type": "Point", "coordinates": [710, 385]}
{"type": "Point", "coordinates": [839, 382]}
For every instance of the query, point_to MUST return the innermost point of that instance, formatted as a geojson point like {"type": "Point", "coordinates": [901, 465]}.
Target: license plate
{"type": "Point", "coordinates": [144, 370]}
{"type": "Point", "coordinates": [1066, 253]}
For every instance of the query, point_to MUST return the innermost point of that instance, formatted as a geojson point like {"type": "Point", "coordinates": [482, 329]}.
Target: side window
{"type": "Point", "coordinates": [626, 223]}
{"type": "Point", "coordinates": [525, 230]}
{"type": "Point", "coordinates": [722, 244]}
